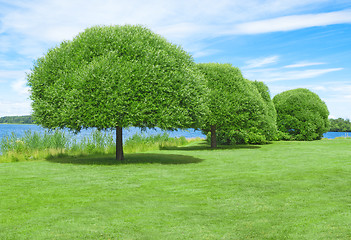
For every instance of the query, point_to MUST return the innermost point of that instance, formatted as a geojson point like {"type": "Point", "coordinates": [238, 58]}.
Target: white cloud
{"type": "Point", "coordinates": [204, 53]}
{"type": "Point", "coordinates": [180, 21]}
{"type": "Point", "coordinates": [303, 64]}
{"type": "Point", "coordinates": [199, 49]}
{"type": "Point", "coordinates": [294, 22]}
{"type": "Point", "coordinates": [17, 81]}
{"type": "Point", "coordinates": [273, 75]}
{"type": "Point", "coordinates": [6, 75]}
{"type": "Point", "coordinates": [339, 106]}
{"type": "Point", "coordinates": [345, 89]}
{"type": "Point", "coordinates": [310, 73]}
{"type": "Point", "coordinates": [319, 88]}
{"type": "Point", "coordinates": [15, 108]}
{"type": "Point", "coordinates": [20, 87]}
{"type": "Point", "coordinates": [260, 62]}
{"type": "Point", "coordinates": [276, 88]}
{"type": "Point", "coordinates": [29, 28]}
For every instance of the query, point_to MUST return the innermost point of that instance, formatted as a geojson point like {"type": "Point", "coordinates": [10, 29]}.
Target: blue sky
{"type": "Point", "coordinates": [286, 44]}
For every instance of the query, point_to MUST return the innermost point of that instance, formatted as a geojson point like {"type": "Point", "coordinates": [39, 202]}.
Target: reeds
{"type": "Point", "coordinates": [36, 145]}
{"type": "Point", "coordinates": [142, 143]}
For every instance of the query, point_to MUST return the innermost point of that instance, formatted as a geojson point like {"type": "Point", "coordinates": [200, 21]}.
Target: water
{"type": "Point", "coordinates": [19, 130]}
{"type": "Point", "coordinates": [332, 135]}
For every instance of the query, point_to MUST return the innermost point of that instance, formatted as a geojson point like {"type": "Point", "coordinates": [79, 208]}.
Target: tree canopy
{"type": "Point", "coordinates": [340, 125]}
{"type": "Point", "coordinates": [263, 129]}
{"type": "Point", "coordinates": [234, 103]}
{"type": "Point", "coordinates": [116, 76]}
{"type": "Point", "coordinates": [269, 120]}
{"type": "Point", "coordinates": [301, 114]}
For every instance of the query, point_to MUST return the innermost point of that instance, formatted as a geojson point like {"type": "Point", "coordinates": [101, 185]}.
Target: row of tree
{"type": "Point", "coordinates": [122, 76]}
{"type": "Point", "coordinates": [17, 119]}
{"type": "Point", "coordinates": [340, 125]}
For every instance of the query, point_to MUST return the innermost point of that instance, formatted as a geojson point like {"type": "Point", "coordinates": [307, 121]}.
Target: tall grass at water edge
{"type": "Point", "coordinates": [35, 145]}
{"type": "Point", "coordinates": [142, 143]}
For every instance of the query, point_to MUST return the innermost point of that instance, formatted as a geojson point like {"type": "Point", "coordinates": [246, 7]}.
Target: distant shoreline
{"type": "Point", "coordinates": [17, 120]}
{"type": "Point", "coordinates": [18, 124]}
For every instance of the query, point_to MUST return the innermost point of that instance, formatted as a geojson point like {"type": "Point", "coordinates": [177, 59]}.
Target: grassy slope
{"type": "Point", "coordinates": [286, 190]}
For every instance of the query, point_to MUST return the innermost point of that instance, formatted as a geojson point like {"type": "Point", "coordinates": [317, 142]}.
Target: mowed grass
{"type": "Point", "coordinates": [284, 190]}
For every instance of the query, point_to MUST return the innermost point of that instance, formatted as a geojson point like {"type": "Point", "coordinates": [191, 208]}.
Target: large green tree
{"type": "Point", "coordinates": [301, 114]}
{"type": "Point", "coordinates": [116, 77]}
{"type": "Point", "coordinates": [234, 103]}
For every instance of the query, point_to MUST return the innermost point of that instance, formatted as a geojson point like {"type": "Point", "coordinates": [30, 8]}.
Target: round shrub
{"type": "Point", "coordinates": [301, 114]}
{"type": "Point", "coordinates": [234, 103]}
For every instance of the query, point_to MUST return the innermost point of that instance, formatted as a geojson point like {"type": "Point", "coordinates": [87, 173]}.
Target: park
{"type": "Point", "coordinates": [264, 171]}
{"type": "Point", "coordinates": [293, 190]}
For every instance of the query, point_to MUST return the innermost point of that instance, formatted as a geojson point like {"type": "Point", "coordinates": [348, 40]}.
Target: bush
{"type": "Point", "coordinates": [232, 137]}
{"type": "Point", "coordinates": [234, 103]}
{"type": "Point", "coordinates": [301, 114]}
{"type": "Point", "coordinates": [282, 136]}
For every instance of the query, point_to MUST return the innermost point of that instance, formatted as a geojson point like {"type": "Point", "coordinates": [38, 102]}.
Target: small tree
{"type": "Point", "coordinates": [116, 77]}
{"type": "Point", "coordinates": [301, 114]}
{"type": "Point", "coordinates": [234, 103]}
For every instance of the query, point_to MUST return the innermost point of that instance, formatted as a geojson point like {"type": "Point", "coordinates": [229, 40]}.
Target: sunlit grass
{"type": "Point", "coordinates": [142, 143]}
{"type": "Point", "coordinates": [36, 146]}
{"type": "Point", "coordinates": [284, 190]}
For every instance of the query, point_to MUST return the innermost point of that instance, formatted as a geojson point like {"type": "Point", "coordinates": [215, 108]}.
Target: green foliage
{"type": "Point", "coordinates": [268, 125]}
{"type": "Point", "coordinates": [241, 110]}
{"type": "Point", "coordinates": [340, 125]}
{"type": "Point", "coordinates": [110, 76]}
{"type": "Point", "coordinates": [301, 114]}
{"type": "Point", "coordinates": [283, 136]}
{"type": "Point", "coordinates": [17, 119]}
{"type": "Point", "coordinates": [245, 136]}
{"type": "Point", "coordinates": [232, 99]}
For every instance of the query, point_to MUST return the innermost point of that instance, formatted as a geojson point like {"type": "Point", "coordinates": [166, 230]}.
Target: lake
{"type": "Point", "coordinates": [20, 129]}
{"type": "Point", "coordinates": [332, 135]}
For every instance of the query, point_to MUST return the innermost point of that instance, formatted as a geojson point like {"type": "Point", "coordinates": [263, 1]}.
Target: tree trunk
{"type": "Point", "coordinates": [119, 144]}
{"type": "Point", "coordinates": [213, 137]}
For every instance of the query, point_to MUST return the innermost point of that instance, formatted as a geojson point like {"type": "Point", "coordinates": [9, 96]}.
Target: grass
{"type": "Point", "coordinates": [343, 137]}
{"type": "Point", "coordinates": [36, 145]}
{"type": "Point", "coordinates": [284, 190]}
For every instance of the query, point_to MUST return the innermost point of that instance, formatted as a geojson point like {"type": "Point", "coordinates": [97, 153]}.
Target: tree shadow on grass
{"type": "Point", "coordinates": [205, 146]}
{"type": "Point", "coordinates": [133, 158]}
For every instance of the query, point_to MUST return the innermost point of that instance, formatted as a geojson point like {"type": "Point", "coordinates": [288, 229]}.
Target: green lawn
{"type": "Point", "coordinates": [285, 190]}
